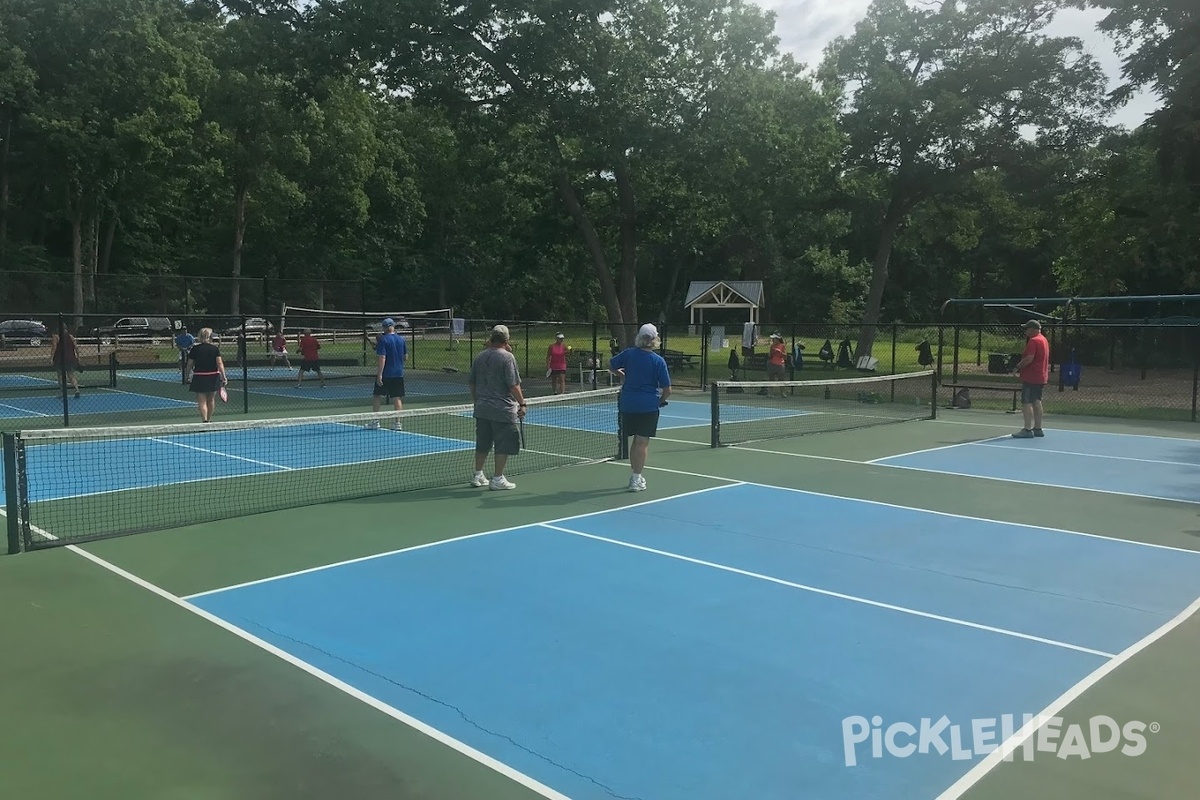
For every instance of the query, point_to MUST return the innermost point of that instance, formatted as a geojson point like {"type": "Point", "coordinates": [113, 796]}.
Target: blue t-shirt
{"type": "Point", "coordinates": [645, 375]}
{"type": "Point", "coordinates": [395, 348]}
{"type": "Point", "coordinates": [184, 341]}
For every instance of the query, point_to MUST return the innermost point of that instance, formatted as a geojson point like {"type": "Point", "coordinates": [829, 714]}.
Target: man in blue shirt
{"type": "Point", "coordinates": [645, 387]}
{"type": "Point", "coordinates": [184, 342]}
{"type": "Point", "coordinates": [389, 376]}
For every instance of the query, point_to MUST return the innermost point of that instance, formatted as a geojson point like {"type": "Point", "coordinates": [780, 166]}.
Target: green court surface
{"type": "Point", "coordinates": [112, 686]}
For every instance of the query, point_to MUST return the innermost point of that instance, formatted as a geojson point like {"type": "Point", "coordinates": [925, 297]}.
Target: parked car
{"type": "Point", "coordinates": [23, 331]}
{"type": "Point", "coordinates": [135, 328]}
{"type": "Point", "coordinates": [255, 326]}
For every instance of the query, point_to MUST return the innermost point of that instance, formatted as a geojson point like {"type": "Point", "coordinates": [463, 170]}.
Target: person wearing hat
{"type": "Point", "coordinates": [556, 364]}
{"type": "Point", "coordinates": [776, 359]}
{"type": "Point", "coordinates": [184, 342]}
{"type": "Point", "coordinates": [389, 375]}
{"type": "Point", "coordinates": [1034, 369]}
{"type": "Point", "coordinates": [645, 387]}
{"type": "Point", "coordinates": [495, 384]}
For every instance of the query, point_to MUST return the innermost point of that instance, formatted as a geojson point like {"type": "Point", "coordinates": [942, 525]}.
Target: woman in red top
{"type": "Point", "coordinates": [309, 358]}
{"type": "Point", "coordinates": [556, 364]}
{"type": "Point", "coordinates": [776, 360]}
{"type": "Point", "coordinates": [279, 350]}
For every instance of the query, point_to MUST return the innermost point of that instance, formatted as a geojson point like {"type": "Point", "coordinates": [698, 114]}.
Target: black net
{"type": "Point", "coordinates": [97, 482]}
{"type": "Point", "coordinates": [748, 411]}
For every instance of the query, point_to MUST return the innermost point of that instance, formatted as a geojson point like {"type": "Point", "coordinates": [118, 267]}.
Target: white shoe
{"type": "Point", "coordinates": [500, 483]}
{"type": "Point", "coordinates": [373, 425]}
{"type": "Point", "coordinates": [637, 484]}
{"type": "Point", "coordinates": [397, 425]}
{"type": "Point", "coordinates": [479, 480]}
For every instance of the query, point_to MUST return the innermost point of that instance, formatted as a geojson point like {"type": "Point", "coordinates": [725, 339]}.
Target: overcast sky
{"type": "Point", "coordinates": [804, 28]}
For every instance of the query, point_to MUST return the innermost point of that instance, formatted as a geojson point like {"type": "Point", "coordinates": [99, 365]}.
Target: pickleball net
{"type": "Point", "coordinates": [751, 411]}
{"type": "Point", "coordinates": [71, 485]}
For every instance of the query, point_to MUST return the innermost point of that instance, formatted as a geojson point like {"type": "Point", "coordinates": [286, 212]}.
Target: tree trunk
{"type": "Point", "coordinates": [4, 152]}
{"type": "Point", "coordinates": [608, 288]}
{"type": "Point", "coordinates": [239, 235]}
{"type": "Point", "coordinates": [77, 260]}
{"type": "Point", "coordinates": [110, 235]}
{"type": "Point", "coordinates": [883, 254]}
{"type": "Point", "coordinates": [91, 256]}
{"type": "Point", "coordinates": [627, 290]}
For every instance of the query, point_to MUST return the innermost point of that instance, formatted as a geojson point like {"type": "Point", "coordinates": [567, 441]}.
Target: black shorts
{"type": "Point", "coordinates": [310, 366]}
{"type": "Point", "coordinates": [1031, 393]}
{"type": "Point", "coordinates": [205, 384]}
{"type": "Point", "coordinates": [504, 436]}
{"type": "Point", "coordinates": [391, 387]}
{"type": "Point", "coordinates": [644, 424]}
{"type": "Point", "coordinates": [558, 372]}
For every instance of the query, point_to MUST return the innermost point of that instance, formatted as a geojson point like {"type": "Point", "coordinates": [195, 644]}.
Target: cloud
{"type": "Point", "coordinates": [805, 27]}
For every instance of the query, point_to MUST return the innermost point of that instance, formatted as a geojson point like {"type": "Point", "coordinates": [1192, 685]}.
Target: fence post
{"type": "Point", "coordinates": [244, 356]}
{"type": "Point", "coordinates": [893, 372]}
{"type": "Point", "coordinates": [527, 372]}
{"type": "Point", "coordinates": [957, 331]}
{"type": "Point", "coordinates": [1195, 373]}
{"type": "Point", "coordinates": [61, 355]}
{"type": "Point", "coordinates": [705, 347]}
{"type": "Point", "coordinates": [933, 396]}
{"type": "Point", "coordinates": [12, 501]}
{"type": "Point", "coordinates": [941, 342]}
{"type": "Point", "coordinates": [595, 353]}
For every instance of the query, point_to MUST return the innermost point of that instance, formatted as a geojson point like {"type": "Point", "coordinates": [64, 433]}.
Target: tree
{"type": "Point", "coordinates": [938, 94]}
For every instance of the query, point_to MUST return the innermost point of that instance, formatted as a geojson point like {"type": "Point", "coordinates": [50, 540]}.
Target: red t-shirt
{"type": "Point", "coordinates": [309, 347]}
{"type": "Point", "coordinates": [1036, 371]}
{"type": "Point", "coordinates": [778, 354]}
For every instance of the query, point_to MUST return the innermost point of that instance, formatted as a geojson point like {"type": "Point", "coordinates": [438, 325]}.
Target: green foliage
{"type": "Point", "coordinates": [552, 161]}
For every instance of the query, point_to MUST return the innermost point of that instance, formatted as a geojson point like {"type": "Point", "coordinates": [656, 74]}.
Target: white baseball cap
{"type": "Point", "coordinates": [648, 330]}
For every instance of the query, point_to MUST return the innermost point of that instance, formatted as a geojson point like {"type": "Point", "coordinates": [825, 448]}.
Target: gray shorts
{"type": "Point", "coordinates": [1031, 393]}
{"type": "Point", "coordinates": [504, 436]}
{"type": "Point", "coordinates": [774, 369]}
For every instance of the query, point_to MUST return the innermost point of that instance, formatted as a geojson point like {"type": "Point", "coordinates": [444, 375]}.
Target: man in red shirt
{"type": "Point", "coordinates": [1034, 369]}
{"type": "Point", "coordinates": [309, 358]}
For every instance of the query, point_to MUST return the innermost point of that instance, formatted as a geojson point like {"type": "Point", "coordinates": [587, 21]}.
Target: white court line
{"type": "Point", "coordinates": [25, 411]}
{"type": "Point", "coordinates": [838, 595]}
{"type": "Point", "coordinates": [110, 390]}
{"type": "Point", "coordinates": [989, 443]}
{"type": "Point", "coordinates": [221, 454]}
{"type": "Point", "coordinates": [441, 542]}
{"type": "Point", "coordinates": [1010, 745]}
{"type": "Point", "coordinates": [933, 449]}
{"type": "Point", "coordinates": [1040, 483]}
{"type": "Point", "coordinates": [375, 703]}
{"type": "Point", "coordinates": [881, 503]}
{"type": "Point", "coordinates": [1071, 430]}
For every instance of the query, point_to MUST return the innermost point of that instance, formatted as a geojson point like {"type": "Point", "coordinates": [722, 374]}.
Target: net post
{"type": "Point", "coordinates": [244, 346]}
{"type": "Point", "coordinates": [715, 407]}
{"type": "Point", "coordinates": [62, 368]}
{"type": "Point", "coordinates": [12, 501]}
{"type": "Point", "coordinates": [933, 394]}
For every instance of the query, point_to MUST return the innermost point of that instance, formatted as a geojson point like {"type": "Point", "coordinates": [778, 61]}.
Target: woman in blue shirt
{"type": "Point", "coordinates": [645, 387]}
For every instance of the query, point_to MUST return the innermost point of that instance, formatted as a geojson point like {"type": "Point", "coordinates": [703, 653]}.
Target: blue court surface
{"type": "Point", "coordinates": [93, 401]}
{"type": "Point", "coordinates": [54, 471]}
{"type": "Point", "coordinates": [688, 649]}
{"type": "Point", "coordinates": [1142, 466]}
{"type": "Point", "coordinates": [11, 380]}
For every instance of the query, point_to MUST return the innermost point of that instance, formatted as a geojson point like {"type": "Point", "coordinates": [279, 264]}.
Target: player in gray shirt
{"type": "Point", "coordinates": [499, 405]}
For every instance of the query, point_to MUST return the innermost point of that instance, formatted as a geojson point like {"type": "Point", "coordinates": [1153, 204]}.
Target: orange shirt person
{"type": "Point", "coordinates": [776, 359]}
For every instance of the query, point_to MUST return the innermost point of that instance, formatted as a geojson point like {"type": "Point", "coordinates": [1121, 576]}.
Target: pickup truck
{"type": "Point", "coordinates": [135, 328]}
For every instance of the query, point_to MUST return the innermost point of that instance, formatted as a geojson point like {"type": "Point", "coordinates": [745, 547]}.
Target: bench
{"type": "Point", "coordinates": [677, 358]}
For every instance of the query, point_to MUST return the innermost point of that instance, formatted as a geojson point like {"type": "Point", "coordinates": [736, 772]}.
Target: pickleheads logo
{"type": "Point", "coordinates": [979, 737]}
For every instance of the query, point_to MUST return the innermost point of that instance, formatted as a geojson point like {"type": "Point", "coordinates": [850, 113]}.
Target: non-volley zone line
{"type": "Point", "coordinates": [1148, 467]}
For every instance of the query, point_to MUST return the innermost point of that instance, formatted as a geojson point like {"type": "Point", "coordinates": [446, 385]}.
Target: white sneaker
{"type": "Point", "coordinates": [637, 484]}
{"type": "Point", "coordinates": [479, 480]}
{"type": "Point", "coordinates": [397, 425]}
{"type": "Point", "coordinates": [373, 425]}
{"type": "Point", "coordinates": [500, 483]}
